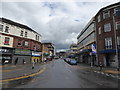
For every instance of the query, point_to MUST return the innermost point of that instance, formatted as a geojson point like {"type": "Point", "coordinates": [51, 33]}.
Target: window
{"type": "Point", "coordinates": [99, 18]}
{"type": "Point", "coordinates": [108, 43]}
{"type": "Point", "coordinates": [99, 30]}
{"type": "Point", "coordinates": [107, 27]}
{"type": "Point", "coordinates": [7, 29]}
{"type": "Point", "coordinates": [106, 14]}
{"type": "Point", "coordinates": [6, 42]}
{"type": "Point", "coordinates": [34, 47]}
{"type": "Point", "coordinates": [117, 25]}
{"type": "Point", "coordinates": [25, 34]}
{"type": "Point", "coordinates": [21, 34]}
{"type": "Point", "coordinates": [118, 41]}
{"type": "Point", "coordinates": [117, 11]}
{"type": "Point", "coordinates": [19, 42]}
{"type": "Point", "coordinates": [1, 27]}
{"type": "Point", "coordinates": [36, 37]}
{"type": "Point", "coordinates": [26, 43]}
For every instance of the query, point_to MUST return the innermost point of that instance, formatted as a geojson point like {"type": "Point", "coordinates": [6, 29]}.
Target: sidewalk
{"type": "Point", "coordinates": [105, 70]}
{"type": "Point", "coordinates": [13, 71]}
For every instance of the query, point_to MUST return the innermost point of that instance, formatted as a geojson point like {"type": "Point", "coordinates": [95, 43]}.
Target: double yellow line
{"type": "Point", "coordinates": [21, 77]}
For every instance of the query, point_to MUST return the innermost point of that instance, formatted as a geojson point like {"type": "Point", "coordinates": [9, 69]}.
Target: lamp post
{"type": "Point", "coordinates": [115, 34]}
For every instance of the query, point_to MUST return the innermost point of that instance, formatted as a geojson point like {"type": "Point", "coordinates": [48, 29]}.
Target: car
{"type": "Point", "coordinates": [73, 62]}
{"type": "Point", "coordinates": [67, 60]}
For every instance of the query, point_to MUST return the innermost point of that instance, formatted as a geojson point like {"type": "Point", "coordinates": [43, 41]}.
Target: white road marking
{"type": "Point", "coordinates": [107, 75]}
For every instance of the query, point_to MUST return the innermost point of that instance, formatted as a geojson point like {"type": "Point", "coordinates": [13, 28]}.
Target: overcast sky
{"type": "Point", "coordinates": [57, 22]}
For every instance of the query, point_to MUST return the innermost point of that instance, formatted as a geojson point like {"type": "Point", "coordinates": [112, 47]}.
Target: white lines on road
{"type": "Point", "coordinates": [107, 74]}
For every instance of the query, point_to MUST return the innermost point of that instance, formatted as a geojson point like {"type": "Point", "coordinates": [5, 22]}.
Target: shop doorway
{"type": "Point", "coordinates": [107, 60]}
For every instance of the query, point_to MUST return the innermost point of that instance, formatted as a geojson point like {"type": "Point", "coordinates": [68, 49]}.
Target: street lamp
{"type": "Point", "coordinates": [115, 33]}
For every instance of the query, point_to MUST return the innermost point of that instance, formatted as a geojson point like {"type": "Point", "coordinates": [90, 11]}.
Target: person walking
{"type": "Point", "coordinates": [3, 61]}
{"type": "Point", "coordinates": [23, 61]}
{"type": "Point", "coordinates": [100, 66]}
{"type": "Point", "coordinates": [33, 65]}
{"type": "Point", "coordinates": [16, 60]}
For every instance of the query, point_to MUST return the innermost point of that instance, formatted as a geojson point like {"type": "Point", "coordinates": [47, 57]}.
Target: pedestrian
{"type": "Point", "coordinates": [3, 61]}
{"type": "Point", "coordinates": [33, 65]}
{"type": "Point", "coordinates": [16, 60]}
{"type": "Point", "coordinates": [100, 65]}
{"type": "Point", "coordinates": [23, 61]}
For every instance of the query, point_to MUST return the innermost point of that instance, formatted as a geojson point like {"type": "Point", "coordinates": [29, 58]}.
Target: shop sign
{"type": "Point", "coordinates": [36, 53]}
{"type": "Point", "coordinates": [22, 52]}
{"type": "Point", "coordinates": [3, 51]}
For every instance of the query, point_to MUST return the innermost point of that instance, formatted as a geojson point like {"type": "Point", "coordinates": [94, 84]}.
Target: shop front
{"type": "Point", "coordinates": [22, 56]}
{"type": "Point", "coordinates": [6, 55]}
{"type": "Point", "coordinates": [36, 57]}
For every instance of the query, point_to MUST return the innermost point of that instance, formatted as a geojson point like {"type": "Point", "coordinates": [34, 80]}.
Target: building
{"type": "Point", "coordinates": [86, 40]}
{"type": "Point", "coordinates": [61, 54]}
{"type": "Point", "coordinates": [73, 50]}
{"type": "Point", "coordinates": [48, 50]}
{"type": "Point", "coordinates": [18, 41]}
{"type": "Point", "coordinates": [108, 35]}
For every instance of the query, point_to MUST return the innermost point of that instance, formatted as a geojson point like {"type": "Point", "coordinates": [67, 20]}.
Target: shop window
{"type": "Point", "coordinates": [107, 27]}
{"type": "Point", "coordinates": [25, 34]}
{"type": "Point", "coordinates": [1, 27]}
{"type": "Point", "coordinates": [6, 42]}
{"type": "Point", "coordinates": [118, 25]}
{"type": "Point", "coordinates": [19, 42]}
{"type": "Point", "coordinates": [117, 11]}
{"type": "Point", "coordinates": [26, 43]}
{"type": "Point", "coordinates": [108, 43]}
{"type": "Point", "coordinates": [106, 14]}
{"type": "Point", "coordinates": [21, 34]}
{"type": "Point", "coordinates": [7, 29]}
{"type": "Point", "coordinates": [118, 42]}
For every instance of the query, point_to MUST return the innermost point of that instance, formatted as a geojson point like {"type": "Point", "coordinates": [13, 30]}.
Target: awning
{"type": "Point", "coordinates": [85, 51]}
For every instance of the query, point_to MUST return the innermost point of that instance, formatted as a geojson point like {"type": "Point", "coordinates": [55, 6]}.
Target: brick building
{"type": "Point", "coordinates": [48, 50]}
{"type": "Point", "coordinates": [18, 41]}
{"type": "Point", "coordinates": [108, 35]}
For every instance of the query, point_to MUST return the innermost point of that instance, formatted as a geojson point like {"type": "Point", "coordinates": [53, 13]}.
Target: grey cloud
{"type": "Point", "coordinates": [59, 23]}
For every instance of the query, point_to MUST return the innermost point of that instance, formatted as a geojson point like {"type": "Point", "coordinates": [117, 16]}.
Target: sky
{"type": "Point", "coordinates": [58, 22]}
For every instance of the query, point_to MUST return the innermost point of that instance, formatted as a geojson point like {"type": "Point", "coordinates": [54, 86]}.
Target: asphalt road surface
{"type": "Point", "coordinates": [59, 74]}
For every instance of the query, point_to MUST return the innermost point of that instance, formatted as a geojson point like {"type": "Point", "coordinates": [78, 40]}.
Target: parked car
{"type": "Point", "coordinates": [67, 60]}
{"type": "Point", "coordinates": [72, 62]}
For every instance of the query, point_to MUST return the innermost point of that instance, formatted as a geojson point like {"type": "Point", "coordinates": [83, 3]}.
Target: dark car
{"type": "Point", "coordinates": [73, 62]}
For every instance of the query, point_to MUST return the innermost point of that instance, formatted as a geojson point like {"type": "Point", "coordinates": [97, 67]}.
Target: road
{"type": "Point", "coordinates": [59, 74]}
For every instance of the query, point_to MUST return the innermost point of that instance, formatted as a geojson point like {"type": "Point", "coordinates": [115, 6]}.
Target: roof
{"type": "Point", "coordinates": [109, 7]}
{"type": "Point", "coordinates": [17, 24]}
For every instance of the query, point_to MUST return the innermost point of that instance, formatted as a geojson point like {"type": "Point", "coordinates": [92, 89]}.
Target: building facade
{"type": "Point", "coordinates": [73, 50]}
{"type": "Point", "coordinates": [86, 41]}
{"type": "Point", "coordinates": [48, 50]}
{"type": "Point", "coordinates": [18, 39]}
{"type": "Point", "coordinates": [108, 35]}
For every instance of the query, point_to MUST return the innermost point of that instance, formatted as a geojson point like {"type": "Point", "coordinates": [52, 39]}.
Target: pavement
{"type": "Point", "coordinates": [9, 72]}
{"type": "Point", "coordinates": [108, 71]}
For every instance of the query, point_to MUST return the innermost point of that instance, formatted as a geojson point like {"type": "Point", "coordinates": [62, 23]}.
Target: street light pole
{"type": "Point", "coordinates": [116, 50]}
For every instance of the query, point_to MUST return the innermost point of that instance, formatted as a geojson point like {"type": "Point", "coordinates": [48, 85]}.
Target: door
{"type": "Point", "coordinates": [107, 60]}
